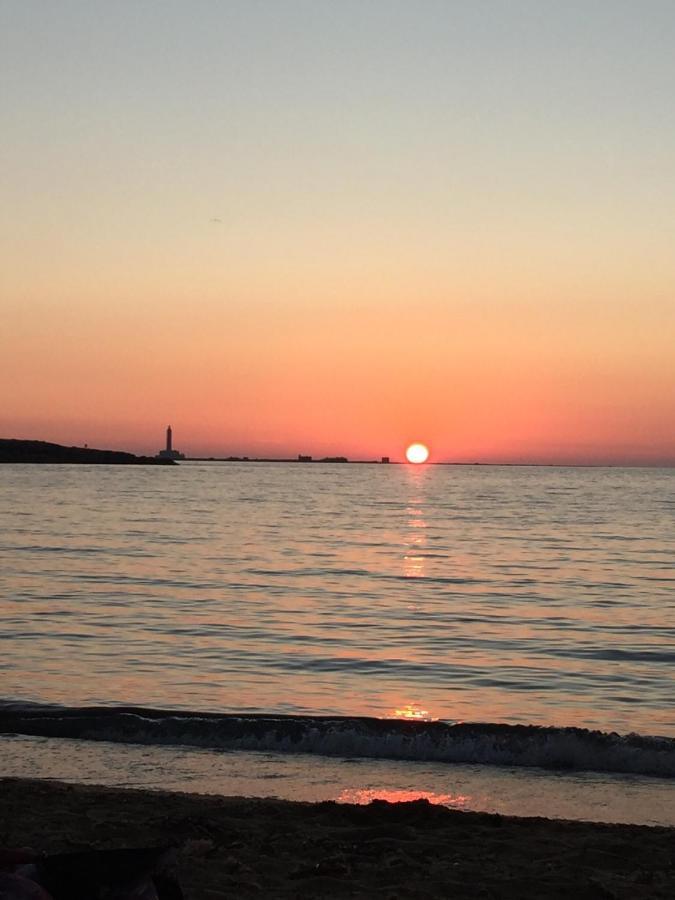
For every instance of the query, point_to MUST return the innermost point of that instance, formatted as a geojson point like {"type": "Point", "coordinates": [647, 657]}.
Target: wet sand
{"type": "Point", "coordinates": [267, 848]}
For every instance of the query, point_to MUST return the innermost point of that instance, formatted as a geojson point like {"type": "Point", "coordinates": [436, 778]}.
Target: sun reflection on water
{"type": "Point", "coordinates": [413, 711]}
{"type": "Point", "coordinates": [415, 540]}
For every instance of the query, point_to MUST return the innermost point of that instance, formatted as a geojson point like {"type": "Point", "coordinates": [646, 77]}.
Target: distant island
{"type": "Point", "coordinates": [13, 451]}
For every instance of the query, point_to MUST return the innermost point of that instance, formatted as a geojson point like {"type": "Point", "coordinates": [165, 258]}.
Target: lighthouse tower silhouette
{"type": "Point", "coordinates": [169, 452]}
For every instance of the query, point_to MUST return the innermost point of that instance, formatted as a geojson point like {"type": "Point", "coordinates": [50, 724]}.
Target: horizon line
{"type": "Point", "coordinates": [339, 459]}
{"type": "Point", "coordinates": [403, 462]}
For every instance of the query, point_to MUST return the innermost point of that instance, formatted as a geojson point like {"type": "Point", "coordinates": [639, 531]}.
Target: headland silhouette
{"type": "Point", "coordinates": [37, 452]}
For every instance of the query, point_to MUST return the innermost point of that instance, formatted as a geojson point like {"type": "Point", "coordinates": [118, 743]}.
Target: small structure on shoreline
{"type": "Point", "coordinates": [169, 452]}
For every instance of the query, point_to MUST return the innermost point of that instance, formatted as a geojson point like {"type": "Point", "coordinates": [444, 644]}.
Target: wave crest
{"type": "Point", "coordinates": [480, 743]}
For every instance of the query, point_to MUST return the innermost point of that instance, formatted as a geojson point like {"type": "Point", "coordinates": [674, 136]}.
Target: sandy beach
{"type": "Point", "coordinates": [252, 848]}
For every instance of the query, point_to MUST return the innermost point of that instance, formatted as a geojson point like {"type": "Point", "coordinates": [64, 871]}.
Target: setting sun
{"type": "Point", "coordinates": [417, 453]}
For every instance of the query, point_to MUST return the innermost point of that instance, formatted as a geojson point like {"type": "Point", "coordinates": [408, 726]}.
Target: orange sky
{"type": "Point", "coordinates": [454, 227]}
{"type": "Point", "coordinates": [475, 381]}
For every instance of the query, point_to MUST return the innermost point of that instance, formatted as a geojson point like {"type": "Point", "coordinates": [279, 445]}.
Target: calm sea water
{"type": "Point", "coordinates": [496, 594]}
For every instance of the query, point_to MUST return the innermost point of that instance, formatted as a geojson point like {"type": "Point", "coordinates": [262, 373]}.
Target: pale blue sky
{"type": "Point", "coordinates": [248, 103]}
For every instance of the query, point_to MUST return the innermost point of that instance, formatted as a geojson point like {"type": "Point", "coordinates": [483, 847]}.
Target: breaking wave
{"type": "Point", "coordinates": [437, 741]}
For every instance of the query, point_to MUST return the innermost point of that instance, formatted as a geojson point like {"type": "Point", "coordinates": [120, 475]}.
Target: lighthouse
{"type": "Point", "coordinates": [169, 452]}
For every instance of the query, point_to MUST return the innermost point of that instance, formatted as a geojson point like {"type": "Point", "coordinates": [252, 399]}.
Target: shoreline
{"type": "Point", "coordinates": [433, 740]}
{"type": "Point", "coordinates": [277, 848]}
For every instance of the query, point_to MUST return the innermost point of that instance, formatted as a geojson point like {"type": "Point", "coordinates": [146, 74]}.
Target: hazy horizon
{"type": "Point", "coordinates": [396, 456]}
{"type": "Point", "coordinates": [309, 227]}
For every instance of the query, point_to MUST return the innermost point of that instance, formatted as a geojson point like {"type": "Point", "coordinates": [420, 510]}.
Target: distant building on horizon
{"type": "Point", "coordinates": [385, 459]}
{"type": "Point", "coordinates": [169, 452]}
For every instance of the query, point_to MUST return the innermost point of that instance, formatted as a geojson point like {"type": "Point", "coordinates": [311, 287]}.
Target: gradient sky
{"type": "Point", "coordinates": [336, 227]}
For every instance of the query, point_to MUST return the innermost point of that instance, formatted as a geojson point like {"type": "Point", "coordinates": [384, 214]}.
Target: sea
{"type": "Point", "coordinates": [497, 638]}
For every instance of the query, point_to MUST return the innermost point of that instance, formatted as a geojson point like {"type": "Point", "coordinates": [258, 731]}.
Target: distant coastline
{"type": "Point", "coordinates": [337, 460]}
{"type": "Point", "coordinates": [43, 452]}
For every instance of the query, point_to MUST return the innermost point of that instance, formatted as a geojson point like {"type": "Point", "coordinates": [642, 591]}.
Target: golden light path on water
{"type": "Point", "coordinates": [413, 567]}
{"type": "Point", "coordinates": [415, 539]}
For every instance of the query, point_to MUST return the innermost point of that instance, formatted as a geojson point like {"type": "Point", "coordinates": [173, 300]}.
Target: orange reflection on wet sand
{"type": "Point", "coordinates": [363, 796]}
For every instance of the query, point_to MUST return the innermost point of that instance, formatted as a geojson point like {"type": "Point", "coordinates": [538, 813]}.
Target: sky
{"type": "Point", "coordinates": [299, 226]}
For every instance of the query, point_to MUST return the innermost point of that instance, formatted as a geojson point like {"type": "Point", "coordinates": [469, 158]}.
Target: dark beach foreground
{"type": "Point", "coordinates": [230, 847]}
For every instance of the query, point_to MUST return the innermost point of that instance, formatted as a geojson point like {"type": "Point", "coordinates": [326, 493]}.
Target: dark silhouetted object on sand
{"type": "Point", "coordinates": [125, 874]}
